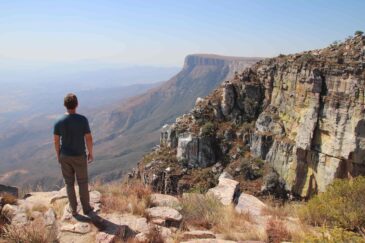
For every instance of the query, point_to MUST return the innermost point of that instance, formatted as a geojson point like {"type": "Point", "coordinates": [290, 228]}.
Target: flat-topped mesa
{"type": "Point", "coordinates": [216, 60]}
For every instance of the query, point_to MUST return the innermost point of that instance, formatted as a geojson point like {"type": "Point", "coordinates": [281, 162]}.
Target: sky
{"type": "Point", "coordinates": [163, 32]}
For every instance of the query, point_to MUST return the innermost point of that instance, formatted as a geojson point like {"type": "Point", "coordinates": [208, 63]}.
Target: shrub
{"type": "Point", "coordinates": [58, 206]}
{"type": "Point", "coordinates": [333, 236]}
{"type": "Point", "coordinates": [359, 32]}
{"type": "Point", "coordinates": [207, 129]}
{"type": "Point", "coordinates": [206, 211]}
{"type": "Point", "coordinates": [35, 232]}
{"type": "Point", "coordinates": [342, 205]}
{"type": "Point", "coordinates": [9, 199]}
{"type": "Point", "coordinates": [132, 197]}
{"type": "Point", "coordinates": [307, 57]}
{"type": "Point", "coordinates": [277, 231]}
{"type": "Point", "coordinates": [201, 210]}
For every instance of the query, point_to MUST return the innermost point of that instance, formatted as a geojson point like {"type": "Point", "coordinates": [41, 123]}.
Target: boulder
{"type": "Point", "coordinates": [135, 223]}
{"type": "Point", "coordinates": [226, 191]}
{"type": "Point", "coordinates": [158, 199]}
{"type": "Point", "coordinates": [141, 238]}
{"type": "Point", "coordinates": [80, 228]}
{"type": "Point", "coordinates": [35, 215]}
{"type": "Point", "coordinates": [170, 216]}
{"type": "Point", "coordinates": [249, 204]}
{"type": "Point", "coordinates": [50, 217]}
{"type": "Point", "coordinates": [19, 219]}
{"type": "Point", "coordinates": [104, 237]}
{"type": "Point", "coordinates": [225, 175]}
{"type": "Point", "coordinates": [198, 234]}
{"type": "Point", "coordinates": [10, 210]}
{"type": "Point", "coordinates": [9, 189]}
{"type": "Point", "coordinates": [165, 232]}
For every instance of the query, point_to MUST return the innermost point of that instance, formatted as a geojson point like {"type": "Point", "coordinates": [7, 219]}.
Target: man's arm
{"type": "Point", "coordinates": [89, 146]}
{"type": "Point", "coordinates": [57, 146]}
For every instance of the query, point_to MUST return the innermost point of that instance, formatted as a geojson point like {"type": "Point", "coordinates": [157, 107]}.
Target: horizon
{"type": "Point", "coordinates": [160, 33]}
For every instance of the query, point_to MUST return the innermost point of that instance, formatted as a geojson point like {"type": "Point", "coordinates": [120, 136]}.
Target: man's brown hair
{"type": "Point", "coordinates": [70, 101]}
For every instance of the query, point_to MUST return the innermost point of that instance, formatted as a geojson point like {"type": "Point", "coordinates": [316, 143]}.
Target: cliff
{"type": "Point", "coordinates": [298, 119]}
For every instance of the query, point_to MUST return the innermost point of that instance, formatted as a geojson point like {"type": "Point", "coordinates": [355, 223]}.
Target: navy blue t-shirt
{"type": "Point", "coordinates": [72, 129]}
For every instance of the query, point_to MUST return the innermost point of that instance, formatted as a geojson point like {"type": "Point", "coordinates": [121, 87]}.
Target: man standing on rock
{"type": "Point", "coordinates": [70, 134]}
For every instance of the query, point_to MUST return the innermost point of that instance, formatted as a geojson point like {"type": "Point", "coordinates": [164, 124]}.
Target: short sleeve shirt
{"type": "Point", "coordinates": [72, 129]}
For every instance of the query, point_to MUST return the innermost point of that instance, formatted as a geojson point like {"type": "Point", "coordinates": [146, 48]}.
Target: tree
{"type": "Point", "coordinates": [359, 32]}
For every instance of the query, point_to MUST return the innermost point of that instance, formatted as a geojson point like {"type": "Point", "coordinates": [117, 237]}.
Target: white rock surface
{"type": "Point", "coordinates": [198, 234]}
{"type": "Point", "coordinates": [80, 228]}
{"type": "Point", "coordinates": [158, 199]}
{"type": "Point", "coordinates": [164, 213]}
{"type": "Point", "coordinates": [226, 190]}
{"type": "Point", "coordinates": [135, 223]}
{"type": "Point", "coordinates": [250, 204]}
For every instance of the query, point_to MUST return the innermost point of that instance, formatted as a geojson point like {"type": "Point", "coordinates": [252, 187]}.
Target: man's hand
{"type": "Point", "coordinates": [89, 145]}
{"type": "Point", "coordinates": [57, 146]}
{"type": "Point", "coordinates": [90, 158]}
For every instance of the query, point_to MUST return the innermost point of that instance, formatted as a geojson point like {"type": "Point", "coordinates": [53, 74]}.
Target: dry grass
{"type": "Point", "coordinates": [58, 206]}
{"type": "Point", "coordinates": [283, 211]}
{"type": "Point", "coordinates": [201, 211]}
{"type": "Point", "coordinates": [277, 231]}
{"type": "Point", "coordinates": [207, 212]}
{"type": "Point", "coordinates": [132, 197]}
{"type": "Point", "coordinates": [34, 232]}
{"type": "Point", "coordinates": [238, 227]}
{"type": "Point", "coordinates": [9, 199]}
{"type": "Point", "coordinates": [154, 235]}
{"type": "Point", "coordinates": [39, 208]}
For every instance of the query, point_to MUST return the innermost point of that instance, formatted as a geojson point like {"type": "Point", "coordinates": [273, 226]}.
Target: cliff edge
{"type": "Point", "coordinates": [299, 116]}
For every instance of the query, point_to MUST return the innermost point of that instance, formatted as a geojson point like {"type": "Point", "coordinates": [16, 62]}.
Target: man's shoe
{"type": "Point", "coordinates": [89, 211]}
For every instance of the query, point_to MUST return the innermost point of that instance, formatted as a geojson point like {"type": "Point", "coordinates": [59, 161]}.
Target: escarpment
{"type": "Point", "coordinates": [300, 116]}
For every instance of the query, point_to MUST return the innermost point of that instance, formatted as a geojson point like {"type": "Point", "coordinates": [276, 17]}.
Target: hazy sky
{"type": "Point", "coordinates": [163, 32]}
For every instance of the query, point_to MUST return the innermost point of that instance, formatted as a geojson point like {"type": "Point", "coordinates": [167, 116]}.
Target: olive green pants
{"type": "Point", "coordinates": [71, 166]}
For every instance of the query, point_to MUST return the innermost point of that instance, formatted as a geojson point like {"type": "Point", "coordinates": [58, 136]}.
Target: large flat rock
{"type": "Point", "coordinates": [226, 191]}
{"type": "Point", "coordinates": [250, 204]}
{"type": "Point", "coordinates": [166, 215]}
{"type": "Point", "coordinates": [198, 234]}
{"type": "Point", "coordinates": [162, 200]}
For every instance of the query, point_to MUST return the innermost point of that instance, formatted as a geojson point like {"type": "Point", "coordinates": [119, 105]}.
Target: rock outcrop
{"type": "Point", "coordinates": [9, 190]}
{"type": "Point", "coordinates": [302, 114]}
{"type": "Point", "coordinates": [227, 190]}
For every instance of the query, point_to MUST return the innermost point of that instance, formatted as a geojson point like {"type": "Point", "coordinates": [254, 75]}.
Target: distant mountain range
{"type": "Point", "coordinates": [123, 130]}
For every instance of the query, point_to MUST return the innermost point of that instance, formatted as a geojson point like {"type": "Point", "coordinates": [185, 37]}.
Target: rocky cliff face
{"type": "Point", "coordinates": [124, 132]}
{"type": "Point", "coordinates": [302, 114]}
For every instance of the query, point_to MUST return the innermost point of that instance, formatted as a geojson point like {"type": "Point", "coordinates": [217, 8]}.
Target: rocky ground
{"type": "Point", "coordinates": [165, 218]}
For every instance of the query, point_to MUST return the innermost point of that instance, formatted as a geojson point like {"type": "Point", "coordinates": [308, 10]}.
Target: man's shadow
{"type": "Point", "coordinates": [103, 225]}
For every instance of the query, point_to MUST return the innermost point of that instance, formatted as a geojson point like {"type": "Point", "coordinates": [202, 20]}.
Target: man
{"type": "Point", "coordinates": [70, 134]}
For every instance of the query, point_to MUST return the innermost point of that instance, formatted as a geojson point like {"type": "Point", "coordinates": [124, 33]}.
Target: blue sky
{"type": "Point", "coordinates": [161, 32]}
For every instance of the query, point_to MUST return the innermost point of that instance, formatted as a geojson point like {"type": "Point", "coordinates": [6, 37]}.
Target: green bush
{"type": "Point", "coordinates": [342, 205]}
{"type": "Point", "coordinates": [358, 32]}
{"type": "Point", "coordinates": [207, 129]}
{"type": "Point", "coordinates": [334, 235]}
